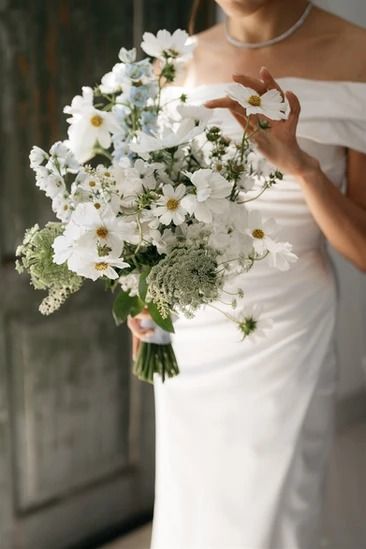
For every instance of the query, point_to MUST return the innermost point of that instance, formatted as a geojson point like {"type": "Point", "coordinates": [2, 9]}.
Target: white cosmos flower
{"type": "Point", "coordinates": [113, 81]}
{"type": "Point", "coordinates": [252, 322]}
{"type": "Point", "coordinates": [170, 137]}
{"type": "Point", "coordinates": [88, 126]}
{"type": "Point", "coordinates": [271, 103]}
{"type": "Point", "coordinates": [260, 231]}
{"type": "Point", "coordinates": [94, 266]}
{"type": "Point", "coordinates": [165, 44]}
{"type": "Point", "coordinates": [281, 255]}
{"type": "Point", "coordinates": [211, 192]}
{"type": "Point", "coordinates": [198, 113]}
{"type": "Point", "coordinates": [169, 207]}
{"type": "Point", "coordinates": [101, 227]}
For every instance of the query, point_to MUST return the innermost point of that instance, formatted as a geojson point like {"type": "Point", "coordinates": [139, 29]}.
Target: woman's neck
{"type": "Point", "coordinates": [268, 21]}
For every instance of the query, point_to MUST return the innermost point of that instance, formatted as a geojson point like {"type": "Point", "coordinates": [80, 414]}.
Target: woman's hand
{"type": "Point", "coordinates": [138, 332]}
{"type": "Point", "coordinates": [278, 142]}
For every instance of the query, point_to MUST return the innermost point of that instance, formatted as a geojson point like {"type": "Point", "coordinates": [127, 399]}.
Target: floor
{"type": "Point", "coordinates": [345, 523]}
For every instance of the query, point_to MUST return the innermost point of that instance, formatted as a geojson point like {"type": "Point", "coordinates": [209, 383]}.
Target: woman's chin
{"type": "Point", "coordinates": [240, 8]}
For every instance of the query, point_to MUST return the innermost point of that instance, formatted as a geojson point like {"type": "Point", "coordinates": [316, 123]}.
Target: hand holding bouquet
{"type": "Point", "coordinates": [151, 199]}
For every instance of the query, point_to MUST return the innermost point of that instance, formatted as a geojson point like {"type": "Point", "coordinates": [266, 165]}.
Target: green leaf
{"type": "Point", "coordinates": [143, 283]}
{"type": "Point", "coordinates": [125, 305]}
{"type": "Point", "coordinates": [165, 323]}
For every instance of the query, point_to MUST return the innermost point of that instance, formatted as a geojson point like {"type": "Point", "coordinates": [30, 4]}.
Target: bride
{"type": "Point", "coordinates": [243, 433]}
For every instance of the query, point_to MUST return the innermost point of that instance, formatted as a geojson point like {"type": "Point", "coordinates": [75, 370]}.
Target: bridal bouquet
{"type": "Point", "coordinates": [151, 198]}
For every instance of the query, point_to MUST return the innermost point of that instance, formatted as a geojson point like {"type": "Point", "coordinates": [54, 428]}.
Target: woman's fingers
{"type": "Point", "coordinates": [250, 82]}
{"type": "Point", "coordinates": [268, 81]}
{"type": "Point", "coordinates": [236, 110]}
{"type": "Point", "coordinates": [136, 342]}
{"type": "Point", "coordinates": [137, 330]}
{"type": "Point", "coordinates": [295, 106]}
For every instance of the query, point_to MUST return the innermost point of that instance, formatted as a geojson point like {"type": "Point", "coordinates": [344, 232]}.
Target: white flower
{"type": "Point", "coordinates": [114, 81]}
{"type": "Point", "coordinates": [53, 185]}
{"type": "Point", "coordinates": [260, 232]}
{"type": "Point", "coordinates": [170, 137]}
{"type": "Point", "coordinates": [167, 45]}
{"type": "Point", "coordinates": [211, 192]}
{"type": "Point", "coordinates": [252, 323]}
{"type": "Point", "coordinates": [95, 266]}
{"type": "Point", "coordinates": [281, 255]}
{"type": "Point", "coordinates": [37, 156]}
{"type": "Point", "coordinates": [127, 56]}
{"type": "Point", "coordinates": [271, 103]}
{"type": "Point", "coordinates": [198, 113]}
{"type": "Point", "coordinates": [169, 207]}
{"type": "Point", "coordinates": [61, 205]}
{"type": "Point", "coordinates": [65, 158]}
{"type": "Point", "coordinates": [130, 283]}
{"type": "Point", "coordinates": [67, 244]}
{"type": "Point", "coordinates": [102, 228]}
{"type": "Point", "coordinates": [88, 126]}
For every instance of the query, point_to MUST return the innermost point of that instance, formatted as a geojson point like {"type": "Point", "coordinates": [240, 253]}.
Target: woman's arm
{"type": "Point", "coordinates": [342, 218]}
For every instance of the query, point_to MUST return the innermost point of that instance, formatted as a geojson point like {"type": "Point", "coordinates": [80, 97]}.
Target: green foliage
{"type": "Point", "coordinates": [125, 305]}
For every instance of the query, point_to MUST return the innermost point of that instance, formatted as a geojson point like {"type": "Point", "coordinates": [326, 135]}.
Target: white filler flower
{"type": "Point", "coordinates": [95, 266]}
{"type": "Point", "coordinates": [166, 45]}
{"type": "Point", "coordinates": [169, 207]}
{"type": "Point", "coordinates": [271, 103]}
{"type": "Point", "coordinates": [88, 126]}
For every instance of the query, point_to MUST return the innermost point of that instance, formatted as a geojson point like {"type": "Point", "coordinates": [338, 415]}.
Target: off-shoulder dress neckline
{"type": "Point", "coordinates": [298, 79]}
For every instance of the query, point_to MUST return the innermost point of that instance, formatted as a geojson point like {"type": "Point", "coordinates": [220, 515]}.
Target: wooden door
{"type": "Point", "coordinates": [76, 429]}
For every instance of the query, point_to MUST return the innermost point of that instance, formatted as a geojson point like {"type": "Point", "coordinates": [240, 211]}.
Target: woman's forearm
{"type": "Point", "coordinates": [341, 220]}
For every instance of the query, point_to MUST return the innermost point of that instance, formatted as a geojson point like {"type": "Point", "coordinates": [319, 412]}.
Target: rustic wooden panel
{"type": "Point", "coordinates": [70, 401]}
{"type": "Point", "coordinates": [48, 51]}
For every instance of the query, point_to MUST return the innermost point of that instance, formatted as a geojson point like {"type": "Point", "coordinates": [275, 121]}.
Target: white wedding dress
{"type": "Point", "coordinates": [243, 433]}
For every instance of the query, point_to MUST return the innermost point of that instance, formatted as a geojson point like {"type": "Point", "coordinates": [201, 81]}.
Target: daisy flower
{"type": "Point", "coordinates": [260, 232]}
{"type": "Point", "coordinates": [251, 323]}
{"type": "Point", "coordinates": [94, 266]}
{"type": "Point", "coordinates": [281, 255]}
{"type": "Point", "coordinates": [185, 131]}
{"type": "Point", "coordinates": [211, 192]}
{"type": "Point", "coordinates": [270, 104]}
{"type": "Point", "coordinates": [88, 126]}
{"type": "Point", "coordinates": [169, 207]}
{"type": "Point", "coordinates": [101, 228]}
{"type": "Point", "coordinates": [166, 45]}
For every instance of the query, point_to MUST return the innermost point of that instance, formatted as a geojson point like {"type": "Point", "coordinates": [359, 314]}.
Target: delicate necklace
{"type": "Point", "coordinates": [265, 43]}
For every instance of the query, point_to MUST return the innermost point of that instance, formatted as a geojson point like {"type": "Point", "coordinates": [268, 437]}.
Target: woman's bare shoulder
{"type": "Point", "coordinates": [347, 43]}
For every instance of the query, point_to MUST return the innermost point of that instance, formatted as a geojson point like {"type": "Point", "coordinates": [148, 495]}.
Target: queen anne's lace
{"type": "Point", "coordinates": [35, 256]}
{"type": "Point", "coordinates": [185, 279]}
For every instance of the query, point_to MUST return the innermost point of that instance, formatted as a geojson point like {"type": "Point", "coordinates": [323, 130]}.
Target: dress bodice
{"type": "Point", "coordinates": [332, 120]}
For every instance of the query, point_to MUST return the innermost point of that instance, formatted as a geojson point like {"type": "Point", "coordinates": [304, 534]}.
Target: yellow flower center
{"type": "Point", "coordinates": [172, 204]}
{"type": "Point", "coordinates": [97, 205]}
{"type": "Point", "coordinates": [96, 120]}
{"type": "Point", "coordinates": [92, 183]}
{"type": "Point", "coordinates": [101, 266]}
{"type": "Point", "coordinates": [258, 233]}
{"type": "Point", "coordinates": [102, 232]}
{"type": "Point", "coordinates": [254, 100]}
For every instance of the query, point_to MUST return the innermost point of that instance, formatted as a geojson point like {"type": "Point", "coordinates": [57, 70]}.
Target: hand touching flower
{"type": "Point", "coordinates": [257, 108]}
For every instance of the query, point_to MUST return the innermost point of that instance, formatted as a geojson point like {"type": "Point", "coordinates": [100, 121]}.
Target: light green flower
{"type": "Point", "coordinates": [35, 257]}
{"type": "Point", "coordinates": [185, 279]}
